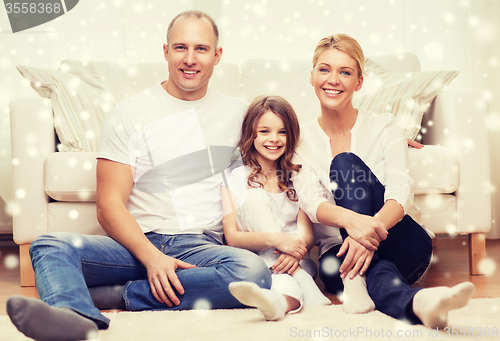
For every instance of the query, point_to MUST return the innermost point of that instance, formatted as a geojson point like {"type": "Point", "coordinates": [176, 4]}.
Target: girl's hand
{"type": "Point", "coordinates": [358, 258]}
{"type": "Point", "coordinates": [285, 263]}
{"type": "Point", "coordinates": [290, 244]}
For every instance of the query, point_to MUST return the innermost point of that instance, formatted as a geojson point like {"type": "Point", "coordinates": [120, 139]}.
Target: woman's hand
{"type": "Point", "coordinates": [285, 263]}
{"type": "Point", "coordinates": [366, 230]}
{"type": "Point", "coordinates": [290, 244]}
{"type": "Point", "coordinates": [358, 258]}
{"type": "Point", "coordinates": [414, 144]}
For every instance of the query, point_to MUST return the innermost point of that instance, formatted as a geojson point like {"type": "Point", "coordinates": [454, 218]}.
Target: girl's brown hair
{"type": "Point", "coordinates": [281, 108]}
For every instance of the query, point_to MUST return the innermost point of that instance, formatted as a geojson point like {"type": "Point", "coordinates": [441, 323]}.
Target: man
{"type": "Point", "coordinates": [159, 168]}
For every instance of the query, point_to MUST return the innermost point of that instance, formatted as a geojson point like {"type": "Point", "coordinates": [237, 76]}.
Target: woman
{"type": "Point", "coordinates": [363, 196]}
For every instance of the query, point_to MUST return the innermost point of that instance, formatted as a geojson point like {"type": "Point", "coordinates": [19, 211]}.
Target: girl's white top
{"type": "Point", "coordinates": [260, 211]}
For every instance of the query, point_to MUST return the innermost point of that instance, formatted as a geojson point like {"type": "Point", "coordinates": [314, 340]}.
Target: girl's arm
{"type": "Point", "coordinates": [256, 241]}
{"type": "Point", "coordinates": [305, 229]}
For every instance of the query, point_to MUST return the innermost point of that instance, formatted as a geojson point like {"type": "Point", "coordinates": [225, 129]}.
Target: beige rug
{"type": "Point", "coordinates": [479, 320]}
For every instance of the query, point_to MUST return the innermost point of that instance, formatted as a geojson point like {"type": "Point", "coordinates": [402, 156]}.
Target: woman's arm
{"type": "Point", "coordinates": [367, 230]}
{"type": "Point", "coordinates": [313, 200]}
{"type": "Point", "coordinates": [398, 184]}
{"type": "Point", "coordinates": [256, 241]}
{"type": "Point", "coordinates": [390, 214]}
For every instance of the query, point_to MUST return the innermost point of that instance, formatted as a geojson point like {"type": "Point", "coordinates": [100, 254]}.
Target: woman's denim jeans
{"type": "Point", "coordinates": [399, 261]}
{"type": "Point", "coordinates": [66, 264]}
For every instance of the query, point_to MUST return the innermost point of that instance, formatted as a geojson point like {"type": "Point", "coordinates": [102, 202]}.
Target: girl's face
{"type": "Point", "coordinates": [335, 79]}
{"type": "Point", "coordinates": [270, 142]}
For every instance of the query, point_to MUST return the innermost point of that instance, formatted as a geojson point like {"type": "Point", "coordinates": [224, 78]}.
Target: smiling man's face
{"type": "Point", "coordinates": [191, 55]}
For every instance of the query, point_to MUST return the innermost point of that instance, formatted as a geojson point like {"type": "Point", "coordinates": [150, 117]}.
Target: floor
{"type": "Point", "coordinates": [449, 267]}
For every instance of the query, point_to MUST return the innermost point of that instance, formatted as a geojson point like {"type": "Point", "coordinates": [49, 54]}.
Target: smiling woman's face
{"type": "Point", "coordinates": [335, 79]}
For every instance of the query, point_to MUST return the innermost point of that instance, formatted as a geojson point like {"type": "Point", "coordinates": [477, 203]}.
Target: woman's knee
{"type": "Point", "coordinates": [346, 160]}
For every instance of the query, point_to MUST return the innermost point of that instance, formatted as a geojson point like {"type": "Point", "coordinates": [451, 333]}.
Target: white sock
{"type": "Point", "coordinates": [355, 298]}
{"type": "Point", "coordinates": [312, 295]}
{"type": "Point", "coordinates": [271, 304]}
{"type": "Point", "coordinates": [432, 305]}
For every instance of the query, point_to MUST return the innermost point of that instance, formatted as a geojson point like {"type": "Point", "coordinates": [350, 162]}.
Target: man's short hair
{"type": "Point", "coordinates": [198, 15]}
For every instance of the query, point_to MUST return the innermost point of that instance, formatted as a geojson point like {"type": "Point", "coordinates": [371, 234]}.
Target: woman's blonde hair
{"type": "Point", "coordinates": [343, 43]}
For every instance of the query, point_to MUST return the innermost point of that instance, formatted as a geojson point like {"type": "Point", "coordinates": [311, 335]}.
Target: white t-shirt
{"type": "Point", "coordinates": [378, 140]}
{"type": "Point", "coordinates": [178, 150]}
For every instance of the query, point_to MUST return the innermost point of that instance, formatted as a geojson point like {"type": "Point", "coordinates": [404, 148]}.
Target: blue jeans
{"type": "Point", "coordinates": [399, 261]}
{"type": "Point", "coordinates": [66, 264]}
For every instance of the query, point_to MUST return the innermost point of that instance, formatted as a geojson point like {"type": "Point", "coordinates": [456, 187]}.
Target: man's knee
{"type": "Point", "coordinates": [251, 268]}
{"type": "Point", "coordinates": [61, 242]}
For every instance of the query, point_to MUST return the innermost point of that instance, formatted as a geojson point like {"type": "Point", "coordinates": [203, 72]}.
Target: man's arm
{"type": "Point", "coordinates": [114, 183]}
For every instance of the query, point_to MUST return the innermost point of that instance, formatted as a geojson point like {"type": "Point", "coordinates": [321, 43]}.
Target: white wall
{"type": "Point", "coordinates": [445, 34]}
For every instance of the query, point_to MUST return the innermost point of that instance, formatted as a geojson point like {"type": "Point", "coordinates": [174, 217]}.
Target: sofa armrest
{"type": "Point", "coordinates": [33, 138]}
{"type": "Point", "coordinates": [457, 120]}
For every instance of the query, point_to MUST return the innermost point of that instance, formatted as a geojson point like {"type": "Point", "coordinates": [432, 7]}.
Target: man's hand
{"type": "Point", "coordinates": [162, 276]}
{"type": "Point", "coordinates": [366, 230]}
{"type": "Point", "coordinates": [358, 258]}
{"type": "Point", "coordinates": [285, 263]}
{"type": "Point", "coordinates": [290, 244]}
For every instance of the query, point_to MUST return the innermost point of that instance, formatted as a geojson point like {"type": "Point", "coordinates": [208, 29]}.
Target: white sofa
{"type": "Point", "coordinates": [55, 191]}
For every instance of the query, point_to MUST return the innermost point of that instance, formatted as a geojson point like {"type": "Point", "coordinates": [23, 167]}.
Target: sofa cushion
{"type": "Point", "coordinates": [372, 67]}
{"type": "Point", "coordinates": [439, 212]}
{"type": "Point", "coordinates": [71, 176]}
{"type": "Point", "coordinates": [79, 101]}
{"type": "Point", "coordinates": [289, 80]}
{"type": "Point", "coordinates": [406, 95]}
{"type": "Point", "coordinates": [73, 217]}
{"type": "Point", "coordinates": [434, 169]}
{"type": "Point", "coordinates": [401, 62]}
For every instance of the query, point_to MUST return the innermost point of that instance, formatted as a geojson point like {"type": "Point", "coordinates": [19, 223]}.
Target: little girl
{"type": "Point", "coordinates": [262, 214]}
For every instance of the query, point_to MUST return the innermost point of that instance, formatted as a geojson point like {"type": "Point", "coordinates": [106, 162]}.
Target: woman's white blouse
{"type": "Point", "coordinates": [378, 140]}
